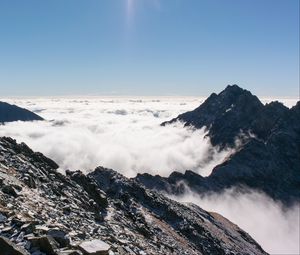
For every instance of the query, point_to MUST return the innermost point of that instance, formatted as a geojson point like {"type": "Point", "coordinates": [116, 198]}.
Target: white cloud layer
{"type": "Point", "coordinates": [274, 227]}
{"type": "Point", "coordinates": [119, 133]}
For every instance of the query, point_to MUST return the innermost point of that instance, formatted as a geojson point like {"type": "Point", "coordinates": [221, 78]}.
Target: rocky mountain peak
{"type": "Point", "coordinates": [231, 95]}
{"type": "Point", "coordinates": [234, 91]}
{"type": "Point", "coordinates": [296, 108]}
{"type": "Point", "coordinates": [233, 114]}
{"type": "Point", "coordinates": [267, 159]}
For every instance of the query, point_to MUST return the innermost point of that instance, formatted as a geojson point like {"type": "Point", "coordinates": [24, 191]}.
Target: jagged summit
{"type": "Point", "coordinates": [234, 91]}
{"type": "Point", "coordinates": [9, 113]}
{"type": "Point", "coordinates": [232, 113]}
{"type": "Point", "coordinates": [268, 160]}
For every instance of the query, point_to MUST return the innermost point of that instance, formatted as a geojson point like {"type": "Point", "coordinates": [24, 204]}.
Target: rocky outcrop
{"type": "Point", "coordinates": [102, 213]}
{"type": "Point", "coordinates": [9, 113]}
{"type": "Point", "coordinates": [268, 160]}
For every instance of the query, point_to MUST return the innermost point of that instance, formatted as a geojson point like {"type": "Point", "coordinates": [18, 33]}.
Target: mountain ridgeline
{"type": "Point", "coordinates": [45, 212]}
{"type": "Point", "coordinates": [9, 113]}
{"type": "Point", "coordinates": [233, 113]}
{"type": "Point", "coordinates": [267, 159]}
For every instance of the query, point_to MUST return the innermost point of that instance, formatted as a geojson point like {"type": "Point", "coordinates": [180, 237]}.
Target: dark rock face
{"type": "Point", "coordinates": [156, 213]}
{"type": "Point", "coordinates": [102, 213]}
{"type": "Point", "coordinates": [89, 186]}
{"type": "Point", "coordinates": [176, 183]}
{"type": "Point", "coordinates": [44, 244]}
{"type": "Point", "coordinates": [268, 161]}
{"type": "Point", "coordinates": [9, 248]}
{"type": "Point", "coordinates": [272, 165]}
{"type": "Point", "coordinates": [231, 113]}
{"type": "Point", "coordinates": [10, 190]}
{"type": "Point", "coordinates": [9, 113]}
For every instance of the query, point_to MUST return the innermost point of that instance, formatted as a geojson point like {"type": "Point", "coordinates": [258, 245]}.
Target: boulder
{"type": "Point", "coordinates": [94, 247]}
{"type": "Point", "coordinates": [60, 236]}
{"type": "Point", "coordinates": [9, 190]}
{"type": "Point", "coordinates": [46, 244]}
{"type": "Point", "coordinates": [3, 218]}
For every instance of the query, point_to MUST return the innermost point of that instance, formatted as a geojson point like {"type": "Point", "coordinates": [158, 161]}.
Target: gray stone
{"type": "Point", "coordinates": [94, 247]}
{"type": "Point", "coordinates": [9, 190]}
{"type": "Point", "coordinates": [28, 227]}
{"type": "Point", "coordinates": [60, 236]}
{"type": "Point", "coordinates": [2, 218]}
{"type": "Point", "coordinates": [69, 252]}
{"type": "Point", "coordinates": [46, 244]}
{"type": "Point", "coordinates": [29, 181]}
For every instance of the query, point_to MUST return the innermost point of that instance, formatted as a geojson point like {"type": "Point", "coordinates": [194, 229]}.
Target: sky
{"type": "Point", "coordinates": [148, 47]}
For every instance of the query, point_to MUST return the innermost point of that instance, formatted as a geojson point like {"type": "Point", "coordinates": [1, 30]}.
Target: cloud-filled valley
{"type": "Point", "coordinates": [124, 133]}
{"type": "Point", "coordinates": [120, 133]}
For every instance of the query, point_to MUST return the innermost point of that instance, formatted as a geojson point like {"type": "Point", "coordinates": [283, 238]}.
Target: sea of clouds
{"type": "Point", "coordinates": [119, 133]}
{"type": "Point", "coordinates": [273, 226]}
{"type": "Point", "coordinates": [124, 133]}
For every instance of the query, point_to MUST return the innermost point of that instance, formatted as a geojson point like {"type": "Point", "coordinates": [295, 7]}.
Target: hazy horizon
{"type": "Point", "coordinates": [114, 95]}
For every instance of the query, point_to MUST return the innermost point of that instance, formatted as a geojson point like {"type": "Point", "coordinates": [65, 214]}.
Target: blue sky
{"type": "Point", "coordinates": [148, 47]}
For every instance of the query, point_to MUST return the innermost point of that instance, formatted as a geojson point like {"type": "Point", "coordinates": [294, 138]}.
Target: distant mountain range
{"type": "Point", "coordinates": [9, 113]}
{"type": "Point", "coordinates": [267, 159]}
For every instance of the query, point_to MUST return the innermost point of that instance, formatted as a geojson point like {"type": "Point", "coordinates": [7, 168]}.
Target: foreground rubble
{"type": "Point", "coordinates": [45, 212]}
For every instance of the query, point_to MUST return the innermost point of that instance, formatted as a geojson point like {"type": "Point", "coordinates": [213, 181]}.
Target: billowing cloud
{"type": "Point", "coordinates": [119, 133]}
{"type": "Point", "coordinates": [274, 227]}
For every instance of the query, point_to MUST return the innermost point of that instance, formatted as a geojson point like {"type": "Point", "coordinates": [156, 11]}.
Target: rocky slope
{"type": "Point", "coordinates": [45, 212]}
{"type": "Point", "coordinates": [9, 113]}
{"type": "Point", "coordinates": [268, 160]}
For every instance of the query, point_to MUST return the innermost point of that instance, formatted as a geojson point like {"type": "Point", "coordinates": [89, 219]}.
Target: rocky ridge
{"type": "Point", "coordinates": [267, 158]}
{"type": "Point", "coordinates": [231, 114]}
{"type": "Point", "coordinates": [45, 212]}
